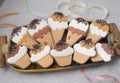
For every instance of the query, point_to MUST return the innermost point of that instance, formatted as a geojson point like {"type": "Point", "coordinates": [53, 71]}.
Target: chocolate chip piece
{"type": "Point", "coordinates": [58, 14]}
{"type": "Point", "coordinates": [15, 31]}
{"type": "Point", "coordinates": [36, 46]}
{"type": "Point", "coordinates": [101, 21]}
{"type": "Point", "coordinates": [33, 23]}
{"type": "Point", "coordinates": [81, 20]}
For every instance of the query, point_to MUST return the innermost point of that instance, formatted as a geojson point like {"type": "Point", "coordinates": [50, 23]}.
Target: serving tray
{"type": "Point", "coordinates": [112, 39]}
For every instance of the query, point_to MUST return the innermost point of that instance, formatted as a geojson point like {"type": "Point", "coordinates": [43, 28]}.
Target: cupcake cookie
{"type": "Point", "coordinates": [76, 30]}
{"type": "Point", "coordinates": [20, 36]}
{"type": "Point", "coordinates": [104, 53]}
{"type": "Point", "coordinates": [40, 54]}
{"type": "Point", "coordinates": [62, 53]}
{"type": "Point", "coordinates": [83, 51]}
{"type": "Point", "coordinates": [98, 30]}
{"type": "Point", "coordinates": [58, 23]}
{"type": "Point", "coordinates": [18, 56]}
{"type": "Point", "coordinates": [40, 31]}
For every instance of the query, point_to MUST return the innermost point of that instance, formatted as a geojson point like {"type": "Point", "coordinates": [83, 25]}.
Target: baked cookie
{"type": "Point", "coordinates": [62, 53]}
{"type": "Point", "coordinates": [20, 36]}
{"type": "Point", "coordinates": [58, 23]}
{"type": "Point", "coordinates": [76, 30]}
{"type": "Point", "coordinates": [18, 56]}
{"type": "Point", "coordinates": [83, 51]}
{"type": "Point", "coordinates": [104, 53]}
{"type": "Point", "coordinates": [98, 29]}
{"type": "Point", "coordinates": [40, 31]}
{"type": "Point", "coordinates": [40, 54]}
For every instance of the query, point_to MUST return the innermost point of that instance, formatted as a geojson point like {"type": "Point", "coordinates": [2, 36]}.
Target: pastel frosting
{"type": "Point", "coordinates": [68, 51]}
{"type": "Point", "coordinates": [57, 25]}
{"type": "Point", "coordinates": [38, 56]}
{"type": "Point", "coordinates": [95, 30]}
{"type": "Point", "coordinates": [22, 51]}
{"type": "Point", "coordinates": [79, 25]}
{"type": "Point", "coordinates": [106, 57]}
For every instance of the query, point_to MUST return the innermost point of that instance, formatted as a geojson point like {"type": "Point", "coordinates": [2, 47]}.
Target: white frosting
{"type": "Point", "coordinates": [68, 51]}
{"type": "Point", "coordinates": [57, 25]}
{"type": "Point", "coordinates": [20, 35]}
{"type": "Point", "coordinates": [106, 57]}
{"type": "Point", "coordinates": [22, 51]}
{"type": "Point", "coordinates": [38, 56]}
{"type": "Point", "coordinates": [80, 25]}
{"type": "Point", "coordinates": [95, 30]}
{"type": "Point", "coordinates": [39, 26]}
{"type": "Point", "coordinates": [89, 52]}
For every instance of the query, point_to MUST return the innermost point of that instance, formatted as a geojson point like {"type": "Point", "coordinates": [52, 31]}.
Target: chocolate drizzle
{"type": "Point", "coordinates": [77, 31]}
{"type": "Point", "coordinates": [15, 31]}
{"type": "Point", "coordinates": [40, 33]}
{"type": "Point", "coordinates": [60, 46]}
{"type": "Point", "coordinates": [88, 42]}
{"type": "Point", "coordinates": [58, 14]}
{"type": "Point", "coordinates": [36, 47]}
{"type": "Point", "coordinates": [81, 20]}
{"type": "Point", "coordinates": [101, 21]}
{"type": "Point", "coordinates": [107, 48]}
{"type": "Point", "coordinates": [33, 23]}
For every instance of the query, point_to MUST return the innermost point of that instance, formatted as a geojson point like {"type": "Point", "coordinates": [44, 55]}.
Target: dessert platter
{"type": "Point", "coordinates": [57, 44]}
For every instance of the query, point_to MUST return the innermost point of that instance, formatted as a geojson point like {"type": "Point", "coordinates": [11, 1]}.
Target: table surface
{"type": "Point", "coordinates": [69, 76]}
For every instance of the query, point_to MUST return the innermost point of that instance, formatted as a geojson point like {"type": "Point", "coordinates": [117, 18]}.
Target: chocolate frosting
{"type": "Point", "coordinates": [15, 31]}
{"type": "Point", "coordinates": [33, 23]}
{"type": "Point", "coordinates": [36, 47]}
{"type": "Point", "coordinates": [12, 50]}
{"type": "Point", "coordinates": [77, 31]}
{"type": "Point", "coordinates": [107, 48]}
{"type": "Point", "coordinates": [101, 21]}
{"type": "Point", "coordinates": [81, 20]}
{"type": "Point", "coordinates": [60, 46]}
{"type": "Point", "coordinates": [58, 14]}
{"type": "Point", "coordinates": [40, 33]}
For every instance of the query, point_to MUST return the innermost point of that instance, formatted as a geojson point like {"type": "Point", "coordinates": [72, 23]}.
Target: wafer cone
{"type": "Point", "coordinates": [95, 38]}
{"type": "Point", "coordinates": [23, 62]}
{"type": "Point", "coordinates": [97, 58]}
{"type": "Point", "coordinates": [57, 34]}
{"type": "Point", "coordinates": [45, 61]}
{"type": "Point", "coordinates": [27, 41]}
{"type": "Point", "coordinates": [72, 38]}
{"type": "Point", "coordinates": [63, 60]}
{"type": "Point", "coordinates": [80, 58]}
{"type": "Point", "coordinates": [46, 40]}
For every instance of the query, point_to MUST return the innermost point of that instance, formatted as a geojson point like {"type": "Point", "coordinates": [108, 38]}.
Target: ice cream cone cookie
{"type": "Point", "coordinates": [40, 31]}
{"type": "Point", "coordinates": [104, 53]}
{"type": "Point", "coordinates": [18, 56]}
{"type": "Point", "coordinates": [62, 53]}
{"type": "Point", "coordinates": [83, 51]}
{"type": "Point", "coordinates": [98, 30]}
{"type": "Point", "coordinates": [76, 30]}
{"type": "Point", "coordinates": [20, 36]}
{"type": "Point", "coordinates": [41, 55]}
{"type": "Point", "coordinates": [58, 23]}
